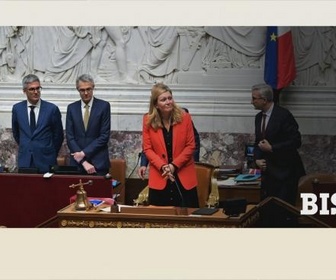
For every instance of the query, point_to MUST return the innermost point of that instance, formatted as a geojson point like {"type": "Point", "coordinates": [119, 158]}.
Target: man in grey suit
{"type": "Point", "coordinates": [88, 125]}
{"type": "Point", "coordinates": [277, 139]}
{"type": "Point", "coordinates": [37, 128]}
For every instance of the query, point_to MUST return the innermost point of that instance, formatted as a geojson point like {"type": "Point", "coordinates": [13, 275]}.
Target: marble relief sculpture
{"type": "Point", "coordinates": [14, 59]}
{"type": "Point", "coordinates": [234, 47]}
{"type": "Point", "coordinates": [160, 60]}
{"type": "Point", "coordinates": [315, 55]}
{"type": "Point", "coordinates": [117, 35]}
{"type": "Point", "coordinates": [72, 53]}
{"type": "Point", "coordinates": [144, 54]}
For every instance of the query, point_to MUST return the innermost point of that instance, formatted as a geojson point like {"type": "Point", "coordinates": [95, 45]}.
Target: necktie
{"type": "Point", "coordinates": [263, 125]}
{"type": "Point", "coordinates": [32, 119]}
{"type": "Point", "coordinates": [86, 115]}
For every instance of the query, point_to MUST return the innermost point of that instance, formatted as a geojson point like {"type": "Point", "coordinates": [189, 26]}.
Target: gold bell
{"type": "Point", "coordinates": [82, 202]}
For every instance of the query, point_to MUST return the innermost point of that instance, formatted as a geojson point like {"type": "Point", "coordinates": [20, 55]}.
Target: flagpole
{"type": "Point", "coordinates": [276, 96]}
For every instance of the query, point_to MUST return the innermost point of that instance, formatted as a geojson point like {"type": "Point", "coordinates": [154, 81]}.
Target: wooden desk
{"type": "Point", "coordinates": [68, 217]}
{"type": "Point", "coordinates": [252, 193]}
{"type": "Point", "coordinates": [29, 199]}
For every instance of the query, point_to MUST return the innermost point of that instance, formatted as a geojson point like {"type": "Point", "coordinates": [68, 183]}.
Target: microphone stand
{"type": "Point", "coordinates": [183, 207]}
{"type": "Point", "coordinates": [114, 184]}
{"type": "Point", "coordinates": [184, 210]}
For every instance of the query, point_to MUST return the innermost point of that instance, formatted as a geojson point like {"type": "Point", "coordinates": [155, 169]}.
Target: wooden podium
{"type": "Point", "coordinates": [271, 212]}
{"type": "Point", "coordinates": [152, 217]}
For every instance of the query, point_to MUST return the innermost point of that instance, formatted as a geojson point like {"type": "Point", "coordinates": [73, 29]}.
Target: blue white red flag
{"type": "Point", "coordinates": [280, 68]}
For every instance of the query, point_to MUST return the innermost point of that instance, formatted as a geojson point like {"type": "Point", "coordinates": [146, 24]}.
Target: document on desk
{"type": "Point", "coordinates": [228, 182]}
{"type": "Point", "coordinates": [247, 177]}
{"type": "Point", "coordinates": [231, 182]}
{"type": "Point", "coordinates": [108, 209]}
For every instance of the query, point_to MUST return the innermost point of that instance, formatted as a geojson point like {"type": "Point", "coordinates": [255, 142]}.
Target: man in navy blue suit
{"type": "Point", "coordinates": [37, 128]}
{"type": "Point", "coordinates": [277, 139]}
{"type": "Point", "coordinates": [88, 125]}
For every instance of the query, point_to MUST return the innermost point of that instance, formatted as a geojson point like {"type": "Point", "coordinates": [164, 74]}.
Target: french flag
{"type": "Point", "coordinates": [280, 68]}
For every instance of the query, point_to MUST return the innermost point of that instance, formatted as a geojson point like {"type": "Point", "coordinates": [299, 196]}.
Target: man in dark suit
{"type": "Point", "coordinates": [37, 128]}
{"type": "Point", "coordinates": [277, 139]}
{"type": "Point", "coordinates": [88, 124]}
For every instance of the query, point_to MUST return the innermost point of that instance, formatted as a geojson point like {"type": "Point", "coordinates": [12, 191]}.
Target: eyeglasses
{"type": "Point", "coordinates": [83, 90]}
{"type": "Point", "coordinates": [256, 98]}
{"type": "Point", "coordinates": [32, 90]}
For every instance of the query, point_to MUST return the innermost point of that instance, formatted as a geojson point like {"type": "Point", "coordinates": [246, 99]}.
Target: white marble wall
{"type": "Point", "coordinates": [214, 109]}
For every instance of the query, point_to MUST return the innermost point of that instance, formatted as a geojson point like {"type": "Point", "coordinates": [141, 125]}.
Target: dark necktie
{"type": "Point", "coordinates": [263, 125]}
{"type": "Point", "coordinates": [86, 115]}
{"type": "Point", "coordinates": [32, 119]}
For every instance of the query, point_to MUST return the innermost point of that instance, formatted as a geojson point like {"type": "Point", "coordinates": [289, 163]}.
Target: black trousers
{"type": "Point", "coordinates": [174, 194]}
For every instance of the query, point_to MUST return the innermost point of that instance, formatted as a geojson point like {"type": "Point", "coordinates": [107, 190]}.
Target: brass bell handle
{"type": "Point", "coordinates": [80, 184]}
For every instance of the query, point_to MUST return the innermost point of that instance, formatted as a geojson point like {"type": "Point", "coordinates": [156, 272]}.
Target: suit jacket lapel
{"type": "Point", "coordinates": [78, 112]}
{"type": "Point", "coordinates": [271, 120]}
{"type": "Point", "coordinates": [25, 115]}
{"type": "Point", "coordinates": [93, 111]}
{"type": "Point", "coordinates": [163, 145]}
{"type": "Point", "coordinates": [258, 123]}
{"type": "Point", "coordinates": [41, 116]}
{"type": "Point", "coordinates": [175, 136]}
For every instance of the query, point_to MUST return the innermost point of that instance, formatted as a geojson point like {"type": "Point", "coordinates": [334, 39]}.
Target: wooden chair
{"type": "Point", "coordinates": [118, 172]}
{"type": "Point", "coordinates": [204, 173]}
{"type": "Point", "coordinates": [306, 183]}
{"type": "Point", "coordinates": [62, 160]}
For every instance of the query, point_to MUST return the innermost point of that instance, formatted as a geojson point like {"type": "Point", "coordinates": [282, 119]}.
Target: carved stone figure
{"type": "Point", "coordinates": [72, 56]}
{"type": "Point", "coordinates": [79, 50]}
{"type": "Point", "coordinates": [7, 64]}
{"type": "Point", "coordinates": [234, 47]}
{"type": "Point", "coordinates": [172, 54]}
{"type": "Point", "coordinates": [115, 34]}
{"type": "Point", "coordinates": [43, 39]}
{"type": "Point", "coordinates": [15, 59]}
{"type": "Point", "coordinates": [160, 61]}
{"type": "Point", "coordinates": [312, 46]}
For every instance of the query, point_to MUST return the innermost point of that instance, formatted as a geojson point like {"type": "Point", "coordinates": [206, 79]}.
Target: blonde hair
{"type": "Point", "coordinates": [154, 116]}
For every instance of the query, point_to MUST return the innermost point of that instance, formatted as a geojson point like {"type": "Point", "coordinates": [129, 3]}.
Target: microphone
{"type": "Point", "coordinates": [136, 165]}
{"type": "Point", "coordinates": [114, 183]}
{"type": "Point", "coordinates": [183, 204]}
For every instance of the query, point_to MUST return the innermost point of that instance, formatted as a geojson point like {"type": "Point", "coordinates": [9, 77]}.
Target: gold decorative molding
{"type": "Point", "coordinates": [137, 224]}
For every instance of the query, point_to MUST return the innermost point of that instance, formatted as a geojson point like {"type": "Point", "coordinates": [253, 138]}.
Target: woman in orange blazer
{"type": "Point", "coordinates": [168, 142]}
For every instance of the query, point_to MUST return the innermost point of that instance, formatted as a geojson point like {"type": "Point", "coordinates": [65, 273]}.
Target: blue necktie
{"type": "Point", "coordinates": [32, 119]}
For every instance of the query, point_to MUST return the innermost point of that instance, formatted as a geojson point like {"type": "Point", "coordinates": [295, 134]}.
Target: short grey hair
{"type": "Point", "coordinates": [85, 78]}
{"type": "Point", "coordinates": [265, 91]}
{"type": "Point", "coordinates": [30, 78]}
